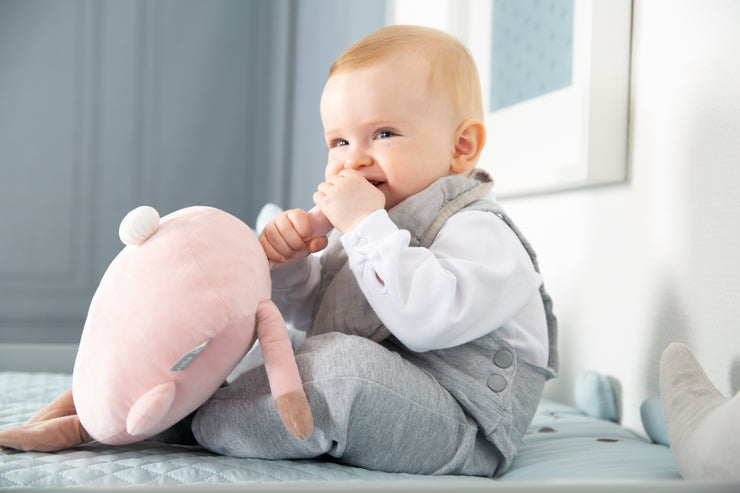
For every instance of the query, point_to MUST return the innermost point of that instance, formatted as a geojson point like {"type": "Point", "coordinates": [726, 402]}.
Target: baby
{"type": "Point", "coordinates": [429, 335]}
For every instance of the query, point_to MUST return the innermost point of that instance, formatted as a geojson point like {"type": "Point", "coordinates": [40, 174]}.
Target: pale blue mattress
{"type": "Point", "coordinates": [561, 443]}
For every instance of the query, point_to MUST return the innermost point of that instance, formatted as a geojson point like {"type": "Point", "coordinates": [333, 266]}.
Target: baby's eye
{"type": "Point", "coordinates": [338, 143]}
{"type": "Point", "coordinates": [385, 133]}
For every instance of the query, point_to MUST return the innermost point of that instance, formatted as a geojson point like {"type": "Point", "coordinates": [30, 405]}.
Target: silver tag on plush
{"type": "Point", "coordinates": [188, 357]}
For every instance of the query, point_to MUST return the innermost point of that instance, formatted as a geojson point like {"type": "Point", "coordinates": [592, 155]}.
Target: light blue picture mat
{"type": "Point", "coordinates": [531, 51]}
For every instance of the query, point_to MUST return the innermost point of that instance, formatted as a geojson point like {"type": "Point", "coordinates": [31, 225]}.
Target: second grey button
{"type": "Point", "coordinates": [496, 382]}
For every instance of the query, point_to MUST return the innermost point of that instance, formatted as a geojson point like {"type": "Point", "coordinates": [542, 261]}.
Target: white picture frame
{"type": "Point", "coordinates": [569, 138]}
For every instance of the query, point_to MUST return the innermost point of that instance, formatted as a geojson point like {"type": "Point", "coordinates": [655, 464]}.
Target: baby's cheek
{"type": "Point", "coordinates": [327, 171]}
{"type": "Point", "coordinates": [334, 165]}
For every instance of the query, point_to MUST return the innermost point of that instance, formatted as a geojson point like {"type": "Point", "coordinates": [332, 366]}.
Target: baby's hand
{"type": "Point", "coordinates": [287, 238]}
{"type": "Point", "coordinates": [347, 198]}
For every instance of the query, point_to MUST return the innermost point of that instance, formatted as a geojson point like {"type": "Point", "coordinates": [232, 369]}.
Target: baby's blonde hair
{"type": "Point", "coordinates": [452, 74]}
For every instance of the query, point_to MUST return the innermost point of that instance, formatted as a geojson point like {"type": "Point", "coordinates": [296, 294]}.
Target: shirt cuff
{"type": "Point", "coordinates": [374, 227]}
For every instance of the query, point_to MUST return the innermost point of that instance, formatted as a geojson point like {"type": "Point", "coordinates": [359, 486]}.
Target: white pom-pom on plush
{"type": "Point", "coordinates": [139, 225]}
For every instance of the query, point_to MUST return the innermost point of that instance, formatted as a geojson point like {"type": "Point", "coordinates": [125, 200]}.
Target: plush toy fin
{"type": "Point", "coordinates": [282, 371]}
{"type": "Point", "coordinates": [55, 427]}
{"type": "Point", "coordinates": [703, 425]}
{"type": "Point", "coordinates": [150, 408]}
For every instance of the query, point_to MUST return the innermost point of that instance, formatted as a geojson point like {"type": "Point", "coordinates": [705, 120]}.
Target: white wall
{"type": "Point", "coordinates": [635, 266]}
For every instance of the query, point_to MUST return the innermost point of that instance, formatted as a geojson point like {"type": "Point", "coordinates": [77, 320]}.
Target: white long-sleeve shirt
{"type": "Point", "coordinates": [474, 278]}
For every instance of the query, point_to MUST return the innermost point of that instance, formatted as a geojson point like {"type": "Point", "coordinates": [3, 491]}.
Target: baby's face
{"type": "Point", "coordinates": [382, 121]}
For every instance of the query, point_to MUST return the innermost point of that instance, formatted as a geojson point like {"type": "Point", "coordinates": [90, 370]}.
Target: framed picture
{"type": "Point", "coordinates": [555, 82]}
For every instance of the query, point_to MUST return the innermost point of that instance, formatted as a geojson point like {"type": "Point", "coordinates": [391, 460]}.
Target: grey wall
{"type": "Point", "coordinates": [105, 105]}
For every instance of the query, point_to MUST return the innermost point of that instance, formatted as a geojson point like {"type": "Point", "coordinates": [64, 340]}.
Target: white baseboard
{"type": "Point", "coordinates": [38, 357]}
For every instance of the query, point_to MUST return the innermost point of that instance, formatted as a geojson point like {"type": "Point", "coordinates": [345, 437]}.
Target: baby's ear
{"type": "Point", "coordinates": [470, 138]}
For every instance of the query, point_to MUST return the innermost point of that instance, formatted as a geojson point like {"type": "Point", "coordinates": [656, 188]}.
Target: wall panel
{"type": "Point", "coordinates": [105, 105]}
{"type": "Point", "coordinates": [48, 90]}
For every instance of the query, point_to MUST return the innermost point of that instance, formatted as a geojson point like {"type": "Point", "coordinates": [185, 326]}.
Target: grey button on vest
{"type": "Point", "coordinates": [496, 382]}
{"type": "Point", "coordinates": [503, 358]}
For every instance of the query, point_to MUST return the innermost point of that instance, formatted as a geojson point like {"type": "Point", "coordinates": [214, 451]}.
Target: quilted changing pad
{"type": "Point", "coordinates": [561, 443]}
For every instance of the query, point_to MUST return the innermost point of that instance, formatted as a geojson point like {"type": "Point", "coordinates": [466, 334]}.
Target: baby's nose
{"type": "Point", "coordinates": [358, 159]}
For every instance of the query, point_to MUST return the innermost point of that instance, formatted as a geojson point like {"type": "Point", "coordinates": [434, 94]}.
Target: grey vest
{"type": "Point", "coordinates": [465, 370]}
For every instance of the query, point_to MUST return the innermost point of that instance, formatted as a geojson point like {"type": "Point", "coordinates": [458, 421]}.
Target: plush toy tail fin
{"type": "Point", "coordinates": [149, 409]}
{"type": "Point", "coordinates": [282, 371]}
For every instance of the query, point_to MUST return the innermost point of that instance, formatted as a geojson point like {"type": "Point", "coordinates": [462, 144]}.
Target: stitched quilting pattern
{"type": "Point", "coordinates": [561, 443]}
{"type": "Point", "coordinates": [23, 394]}
{"type": "Point", "coordinates": [148, 463]}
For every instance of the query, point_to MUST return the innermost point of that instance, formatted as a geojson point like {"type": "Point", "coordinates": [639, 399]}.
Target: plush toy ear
{"type": "Point", "coordinates": [703, 425]}
{"type": "Point", "coordinates": [598, 396]}
{"type": "Point", "coordinates": [651, 414]}
{"type": "Point", "coordinates": [138, 225]}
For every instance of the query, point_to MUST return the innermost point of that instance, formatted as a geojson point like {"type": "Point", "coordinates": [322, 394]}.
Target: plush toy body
{"type": "Point", "coordinates": [703, 425]}
{"type": "Point", "coordinates": [175, 312]}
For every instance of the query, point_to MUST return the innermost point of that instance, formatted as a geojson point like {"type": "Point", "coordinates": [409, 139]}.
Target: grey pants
{"type": "Point", "coordinates": [371, 409]}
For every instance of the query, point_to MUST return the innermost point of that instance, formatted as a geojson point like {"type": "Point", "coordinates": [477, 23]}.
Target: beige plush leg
{"type": "Point", "coordinates": [55, 427]}
{"type": "Point", "coordinates": [46, 436]}
{"type": "Point", "coordinates": [61, 406]}
{"type": "Point", "coordinates": [703, 425]}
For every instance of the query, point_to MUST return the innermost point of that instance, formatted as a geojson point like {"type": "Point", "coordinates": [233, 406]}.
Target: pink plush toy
{"type": "Point", "coordinates": [175, 312]}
